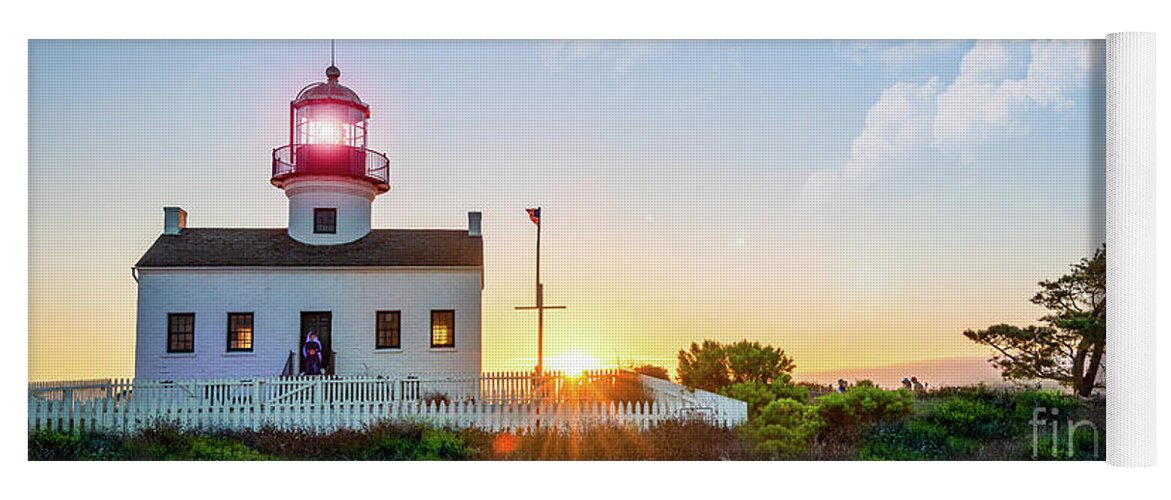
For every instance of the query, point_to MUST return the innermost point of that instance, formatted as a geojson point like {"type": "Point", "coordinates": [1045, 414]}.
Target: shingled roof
{"type": "Point", "coordinates": [206, 247]}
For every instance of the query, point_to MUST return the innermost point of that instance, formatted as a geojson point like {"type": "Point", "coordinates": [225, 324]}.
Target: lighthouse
{"type": "Point", "coordinates": [328, 174]}
{"type": "Point", "coordinates": [216, 302]}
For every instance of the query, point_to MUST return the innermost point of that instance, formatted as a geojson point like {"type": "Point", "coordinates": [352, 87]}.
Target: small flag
{"type": "Point", "coordinates": [534, 215]}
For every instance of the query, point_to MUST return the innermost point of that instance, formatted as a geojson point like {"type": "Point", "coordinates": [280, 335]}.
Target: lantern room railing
{"type": "Point", "coordinates": [329, 159]}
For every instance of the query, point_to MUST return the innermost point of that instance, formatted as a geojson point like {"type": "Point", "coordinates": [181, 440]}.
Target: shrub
{"type": "Point", "coordinates": [1025, 402]}
{"type": "Point", "coordinates": [652, 371]}
{"type": "Point", "coordinates": [435, 398]}
{"type": "Point", "coordinates": [911, 440]}
{"type": "Point", "coordinates": [401, 441]}
{"type": "Point", "coordinates": [863, 405]}
{"type": "Point", "coordinates": [221, 448]}
{"type": "Point", "coordinates": [668, 440]}
{"type": "Point", "coordinates": [799, 393]}
{"type": "Point", "coordinates": [1084, 446]}
{"type": "Point", "coordinates": [624, 387]}
{"type": "Point", "coordinates": [56, 445]}
{"type": "Point", "coordinates": [757, 395]}
{"type": "Point", "coordinates": [784, 429]}
{"type": "Point", "coordinates": [161, 441]}
{"type": "Point", "coordinates": [976, 422]}
{"type": "Point", "coordinates": [970, 418]}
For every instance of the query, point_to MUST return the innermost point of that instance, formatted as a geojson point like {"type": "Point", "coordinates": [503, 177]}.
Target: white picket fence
{"type": "Point", "coordinates": [494, 401]}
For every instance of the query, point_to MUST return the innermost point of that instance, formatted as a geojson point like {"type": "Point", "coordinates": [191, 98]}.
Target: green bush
{"type": "Point", "coordinates": [1025, 402]}
{"type": "Point", "coordinates": [1084, 447]}
{"type": "Point", "coordinates": [916, 439]}
{"type": "Point", "coordinates": [220, 448]}
{"type": "Point", "coordinates": [55, 445]}
{"type": "Point", "coordinates": [758, 395]}
{"type": "Point", "coordinates": [442, 444]}
{"type": "Point", "coordinates": [786, 390]}
{"type": "Point", "coordinates": [972, 419]}
{"type": "Point", "coordinates": [862, 405]}
{"type": "Point", "coordinates": [784, 429]}
{"type": "Point", "coordinates": [389, 441]}
{"type": "Point", "coordinates": [977, 422]}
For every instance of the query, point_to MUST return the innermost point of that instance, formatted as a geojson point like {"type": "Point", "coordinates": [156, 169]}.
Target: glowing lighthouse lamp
{"type": "Point", "coordinates": [328, 174]}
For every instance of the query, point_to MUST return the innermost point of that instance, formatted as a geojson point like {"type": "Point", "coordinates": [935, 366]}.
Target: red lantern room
{"type": "Point", "coordinates": [327, 137]}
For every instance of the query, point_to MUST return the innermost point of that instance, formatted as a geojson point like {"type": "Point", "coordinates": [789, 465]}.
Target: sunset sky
{"type": "Point", "coordinates": [858, 204]}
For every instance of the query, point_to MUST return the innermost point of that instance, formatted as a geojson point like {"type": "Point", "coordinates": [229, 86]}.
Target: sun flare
{"type": "Point", "coordinates": [574, 363]}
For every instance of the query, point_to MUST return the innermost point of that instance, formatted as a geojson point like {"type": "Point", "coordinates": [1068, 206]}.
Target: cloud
{"type": "Point", "coordinates": [856, 216]}
{"type": "Point", "coordinates": [998, 85]}
{"type": "Point", "coordinates": [897, 131]}
{"type": "Point", "coordinates": [985, 103]}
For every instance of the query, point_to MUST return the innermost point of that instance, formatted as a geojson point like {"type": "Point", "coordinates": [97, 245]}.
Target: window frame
{"type": "Point", "coordinates": [397, 330]}
{"type": "Point", "coordinates": [171, 333]}
{"type": "Point", "coordinates": [251, 332]}
{"type": "Point", "coordinates": [434, 313]}
{"type": "Point", "coordinates": [317, 225]}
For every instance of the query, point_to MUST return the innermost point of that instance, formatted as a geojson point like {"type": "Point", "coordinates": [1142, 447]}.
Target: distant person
{"type": "Point", "coordinates": [312, 352]}
{"type": "Point", "coordinates": [842, 386]}
{"type": "Point", "coordinates": [907, 383]}
{"type": "Point", "coordinates": [918, 387]}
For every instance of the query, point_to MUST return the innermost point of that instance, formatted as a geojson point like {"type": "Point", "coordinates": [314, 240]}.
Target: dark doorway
{"type": "Point", "coordinates": [318, 322]}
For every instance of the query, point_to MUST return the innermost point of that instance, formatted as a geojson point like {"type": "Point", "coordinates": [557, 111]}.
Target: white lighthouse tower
{"type": "Point", "coordinates": [328, 174]}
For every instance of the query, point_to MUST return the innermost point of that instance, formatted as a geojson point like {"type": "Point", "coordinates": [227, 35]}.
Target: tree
{"type": "Point", "coordinates": [1070, 346]}
{"type": "Point", "coordinates": [752, 362]}
{"type": "Point", "coordinates": [704, 367]}
{"type": "Point", "coordinates": [652, 371]}
{"type": "Point", "coordinates": [712, 365]}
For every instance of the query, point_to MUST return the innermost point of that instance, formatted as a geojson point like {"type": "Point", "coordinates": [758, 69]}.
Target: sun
{"type": "Point", "coordinates": [574, 363]}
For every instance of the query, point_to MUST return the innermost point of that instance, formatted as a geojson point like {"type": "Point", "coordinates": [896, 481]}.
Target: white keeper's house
{"type": "Point", "coordinates": [218, 303]}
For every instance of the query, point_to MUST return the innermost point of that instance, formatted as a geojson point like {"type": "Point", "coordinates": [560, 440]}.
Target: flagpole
{"type": "Point", "coordinates": [540, 305]}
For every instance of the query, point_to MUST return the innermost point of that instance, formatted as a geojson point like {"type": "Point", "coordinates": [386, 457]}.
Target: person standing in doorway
{"type": "Point", "coordinates": [312, 352]}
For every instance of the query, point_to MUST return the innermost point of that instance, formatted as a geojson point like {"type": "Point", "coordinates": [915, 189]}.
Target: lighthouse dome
{"type": "Point", "coordinates": [329, 90]}
{"type": "Point", "coordinates": [328, 94]}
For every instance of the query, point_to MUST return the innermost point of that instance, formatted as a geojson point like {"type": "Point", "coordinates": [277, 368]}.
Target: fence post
{"type": "Point", "coordinates": [67, 400]}
{"type": "Point", "coordinates": [256, 394]}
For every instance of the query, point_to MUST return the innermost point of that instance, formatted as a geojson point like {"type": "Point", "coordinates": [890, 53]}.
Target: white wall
{"type": "Point", "coordinates": [276, 297]}
{"type": "Point", "coordinates": [351, 198]}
